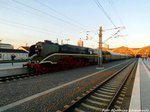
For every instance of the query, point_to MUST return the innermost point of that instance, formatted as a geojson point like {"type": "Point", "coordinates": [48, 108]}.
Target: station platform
{"type": "Point", "coordinates": [4, 66]}
{"type": "Point", "coordinates": [7, 69]}
{"type": "Point", "coordinates": [140, 99]}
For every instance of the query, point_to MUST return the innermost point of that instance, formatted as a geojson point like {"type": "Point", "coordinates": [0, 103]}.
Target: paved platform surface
{"type": "Point", "coordinates": [7, 69]}
{"type": "Point", "coordinates": [4, 66]}
{"type": "Point", "coordinates": [140, 100]}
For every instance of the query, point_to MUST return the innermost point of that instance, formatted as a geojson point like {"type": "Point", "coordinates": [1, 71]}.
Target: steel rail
{"type": "Point", "coordinates": [80, 100]}
{"type": "Point", "coordinates": [18, 76]}
{"type": "Point", "coordinates": [109, 107]}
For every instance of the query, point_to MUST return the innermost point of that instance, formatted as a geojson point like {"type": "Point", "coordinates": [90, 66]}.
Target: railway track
{"type": "Point", "coordinates": [22, 76]}
{"type": "Point", "coordinates": [16, 77]}
{"type": "Point", "coordinates": [105, 96]}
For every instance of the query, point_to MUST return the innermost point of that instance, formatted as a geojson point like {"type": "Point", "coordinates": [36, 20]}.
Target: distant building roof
{"type": "Point", "coordinates": [6, 46]}
{"type": "Point", "coordinates": [12, 51]}
{"type": "Point", "coordinates": [25, 48]}
{"type": "Point", "coordinates": [80, 43]}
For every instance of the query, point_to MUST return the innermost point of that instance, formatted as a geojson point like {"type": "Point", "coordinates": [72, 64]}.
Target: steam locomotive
{"type": "Point", "coordinates": [48, 56]}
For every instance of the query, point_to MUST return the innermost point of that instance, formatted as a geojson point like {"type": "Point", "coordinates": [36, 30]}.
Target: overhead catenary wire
{"type": "Point", "coordinates": [103, 10]}
{"type": "Point", "coordinates": [32, 29]}
{"type": "Point", "coordinates": [112, 4]}
{"type": "Point", "coordinates": [21, 25]}
{"type": "Point", "coordinates": [23, 11]}
{"type": "Point", "coordinates": [26, 12]}
{"type": "Point", "coordinates": [115, 11]}
{"type": "Point", "coordinates": [45, 13]}
{"type": "Point", "coordinates": [28, 27]}
{"type": "Point", "coordinates": [106, 14]}
{"type": "Point", "coordinates": [59, 13]}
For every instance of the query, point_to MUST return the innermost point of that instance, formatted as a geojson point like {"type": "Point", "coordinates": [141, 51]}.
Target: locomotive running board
{"type": "Point", "coordinates": [63, 54]}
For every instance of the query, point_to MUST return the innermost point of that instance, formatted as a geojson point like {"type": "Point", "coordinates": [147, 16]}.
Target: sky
{"type": "Point", "coordinates": [25, 22]}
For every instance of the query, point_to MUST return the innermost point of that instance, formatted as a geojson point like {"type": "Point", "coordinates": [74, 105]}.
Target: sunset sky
{"type": "Point", "coordinates": [29, 21]}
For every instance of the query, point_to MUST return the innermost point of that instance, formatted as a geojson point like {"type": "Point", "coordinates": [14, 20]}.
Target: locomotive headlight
{"type": "Point", "coordinates": [38, 48]}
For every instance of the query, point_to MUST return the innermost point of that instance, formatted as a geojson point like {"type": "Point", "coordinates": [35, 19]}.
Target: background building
{"type": "Point", "coordinates": [7, 51]}
{"type": "Point", "coordinates": [80, 43]}
{"type": "Point", "coordinates": [24, 48]}
{"type": "Point", "coordinates": [6, 46]}
{"type": "Point", "coordinates": [6, 54]}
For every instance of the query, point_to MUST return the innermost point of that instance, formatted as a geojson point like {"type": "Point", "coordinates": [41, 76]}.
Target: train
{"type": "Point", "coordinates": [48, 56]}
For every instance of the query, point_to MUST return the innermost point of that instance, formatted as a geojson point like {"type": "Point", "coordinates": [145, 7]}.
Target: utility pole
{"type": "Point", "coordinates": [57, 40]}
{"type": "Point", "coordinates": [62, 42]}
{"type": "Point", "coordinates": [100, 57]}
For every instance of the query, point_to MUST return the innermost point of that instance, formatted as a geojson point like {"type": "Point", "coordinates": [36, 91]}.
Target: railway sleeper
{"type": "Point", "coordinates": [96, 102]}
{"type": "Point", "coordinates": [120, 98]}
{"type": "Point", "coordinates": [111, 85]}
{"type": "Point", "coordinates": [102, 95]}
{"type": "Point", "coordinates": [110, 88]}
{"type": "Point", "coordinates": [119, 102]}
{"type": "Point", "coordinates": [93, 103]}
{"type": "Point", "coordinates": [89, 108]}
{"type": "Point", "coordinates": [117, 107]}
{"type": "Point", "coordinates": [107, 90]}
{"type": "Point", "coordinates": [104, 92]}
{"type": "Point", "coordinates": [123, 92]}
{"type": "Point", "coordinates": [96, 98]}
{"type": "Point", "coordinates": [78, 110]}
{"type": "Point", "coordinates": [122, 95]}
